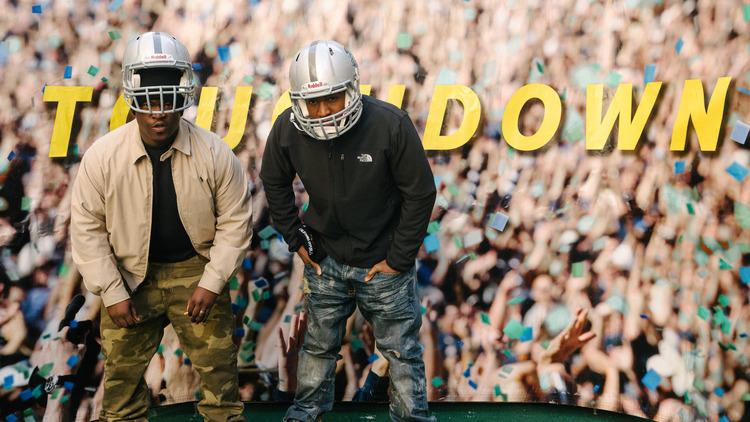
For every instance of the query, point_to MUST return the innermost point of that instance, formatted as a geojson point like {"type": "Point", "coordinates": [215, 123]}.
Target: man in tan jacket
{"type": "Point", "coordinates": [160, 222]}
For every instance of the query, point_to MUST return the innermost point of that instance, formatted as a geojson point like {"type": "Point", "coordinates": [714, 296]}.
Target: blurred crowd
{"type": "Point", "coordinates": [614, 284]}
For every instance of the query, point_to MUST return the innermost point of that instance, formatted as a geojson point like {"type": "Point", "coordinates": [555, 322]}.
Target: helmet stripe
{"type": "Point", "coordinates": [157, 43]}
{"type": "Point", "coordinates": [311, 62]}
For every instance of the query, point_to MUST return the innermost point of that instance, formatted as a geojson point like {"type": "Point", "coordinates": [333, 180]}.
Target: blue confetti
{"type": "Point", "coordinates": [11, 155]}
{"type": "Point", "coordinates": [498, 221]}
{"type": "Point", "coordinates": [68, 72]}
{"type": "Point", "coordinates": [467, 372]}
{"type": "Point", "coordinates": [26, 394]}
{"type": "Point", "coordinates": [197, 66]}
{"type": "Point", "coordinates": [678, 46]}
{"type": "Point", "coordinates": [115, 5]}
{"type": "Point", "coordinates": [235, 309]}
{"type": "Point", "coordinates": [373, 357]}
{"type": "Point", "coordinates": [739, 132]}
{"type": "Point", "coordinates": [247, 264]}
{"type": "Point", "coordinates": [73, 324]}
{"type": "Point", "coordinates": [719, 392]}
{"type": "Point", "coordinates": [261, 283]}
{"type": "Point", "coordinates": [8, 382]}
{"type": "Point", "coordinates": [68, 385]}
{"type": "Point", "coordinates": [737, 171]}
{"type": "Point", "coordinates": [527, 335]}
{"type": "Point", "coordinates": [596, 388]}
{"type": "Point", "coordinates": [745, 274]}
{"type": "Point", "coordinates": [679, 167]}
{"type": "Point", "coordinates": [459, 344]}
{"type": "Point", "coordinates": [224, 55]}
{"type": "Point", "coordinates": [744, 91]}
{"type": "Point", "coordinates": [472, 384]}
{"type": "Point", "coordinates": [724, 419]}
{"type": "Point", "coordinates": [648, 75]}
{"type": "Point", "coordinates": [11, 418]}
{"type": "Point", "coordinates": [72, 361]}
{"type": "Point", "coordinates": [431, 243]}
{"type": "Point", "coordinates": [743, 335]}
{"type": "Point", "coordinates": [651, 380]}
{"type": "Point", "coordinates": [36, 8]}
{"type": "Point", "coordinates": [644, 316]}
{"type": "Point", "coordinates": [187, 361]}
{"type": "Point", "coordinates": [239, 332]}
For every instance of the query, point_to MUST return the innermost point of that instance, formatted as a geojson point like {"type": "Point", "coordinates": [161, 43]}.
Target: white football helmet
{"type": "Point", "coordinates": [157, 50]}
{"type": "Point", "coordinates": [323, 68]}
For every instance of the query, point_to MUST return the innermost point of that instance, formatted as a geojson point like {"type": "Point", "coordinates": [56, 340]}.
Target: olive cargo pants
{"type": "Point", "coordinates": [162, 298]}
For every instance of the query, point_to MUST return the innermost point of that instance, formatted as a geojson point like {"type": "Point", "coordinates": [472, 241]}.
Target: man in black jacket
{"type": "Point", "coordinates": [371, 193]}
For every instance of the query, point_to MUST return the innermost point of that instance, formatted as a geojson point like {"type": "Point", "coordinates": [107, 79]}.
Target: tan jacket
{"type": "Point", "coordinates": [111, 208]}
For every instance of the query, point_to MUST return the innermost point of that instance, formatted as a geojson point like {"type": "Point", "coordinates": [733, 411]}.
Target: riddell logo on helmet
{"type": "Point", "coordinates": [158, 56]}
{"type": "Point", "coordinates": [311, 85]}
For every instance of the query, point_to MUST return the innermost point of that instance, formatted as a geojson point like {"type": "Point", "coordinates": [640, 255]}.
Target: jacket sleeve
{"type": "Point", "coordinates": [277, 174]}
{"type": "Point", "coordinates": [233, 220]}
{"type": "Point", "coordinates": [89, 238]}
{"type": "Point", "coordinates": [413, 177]}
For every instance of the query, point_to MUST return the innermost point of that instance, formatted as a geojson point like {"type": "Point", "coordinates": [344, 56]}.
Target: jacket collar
{"type": "Point", "coordinates": [136, 150]}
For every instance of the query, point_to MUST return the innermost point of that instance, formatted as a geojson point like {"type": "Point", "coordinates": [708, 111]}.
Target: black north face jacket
{"type": "Point", "coordinates": [371, 189]}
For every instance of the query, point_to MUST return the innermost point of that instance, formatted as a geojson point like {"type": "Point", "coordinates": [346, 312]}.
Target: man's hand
{"type": "Point", "coordinates": [568, 341]}
{"type": "Point", "coordinates": [302, 252]}
{"type": "Point", "coordinates": [200, 304]}
{"type": "Point", "coordinates": [123, 314]}
{"type": "Point", "coordinates": [380, 267]}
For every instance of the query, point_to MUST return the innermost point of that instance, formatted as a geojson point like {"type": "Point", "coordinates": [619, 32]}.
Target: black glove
{"type": "Point", "coordinates": [306, 239]}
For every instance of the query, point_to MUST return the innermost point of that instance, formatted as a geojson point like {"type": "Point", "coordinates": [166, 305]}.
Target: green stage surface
{"type": "Point", "coordinates": [444, 411]}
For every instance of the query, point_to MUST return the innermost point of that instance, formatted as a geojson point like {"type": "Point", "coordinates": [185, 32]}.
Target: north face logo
{"type": "Point", "coordinates": [364, 158]}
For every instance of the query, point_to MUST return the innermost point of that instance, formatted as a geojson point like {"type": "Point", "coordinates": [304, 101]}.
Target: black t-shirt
{"type": "Point", "coordinates": [169, 240]}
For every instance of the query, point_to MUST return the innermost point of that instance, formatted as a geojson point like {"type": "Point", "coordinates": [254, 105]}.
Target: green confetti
{"type": "Point", "coordinates": [545, 344]}
{"type": "Point", "coordinates": [246, 356]}
{"type": "Point", "coordinates": [304, 207]}
{"type": "Point", "coordinates": [539, 67]}
{"type": "Point", "coordinates": [437, 382]}
{"type": "Point", "coordinates": [508, 353]}
{"type": "Point", "coordinates": [113, 35]}
{"type": "Point", "coordinates": [513, 329]}
{"type": "Point", "coordinates": [577, 269]}
{"type": "Point", "coordinates": [248, 79]}
{"type": "Point", "coordinates": [485, 318]}
{"type": "Point", "coordinates": [104, 79]}
{"type": "Point", "coordinates": [234, 284]}
{"type": "Point", "coordinates": [267, 294]}
{"type": "Point", "coordinates": [64, 399]}
{"type": "Point", "coordinates": [511, 152]}
{"type": "Point", "coordinates": [245, 319]}
{"type": "Point", "coordinates": [356, 344]}
{"type": "Point", "coordinates": [742, 214]}
{"type": "Point", "coordinates": [690, 209]}
{"type": "Point", "coordinates": [612, 79]}
{"type": "Point", "coordinates": [703, 313]}
{"type": "Point", "coordinates": [746, 397]}
{"type": "Point", "coordinates": [160, 349]}
{"type": "Point", "coordinates": [458, 242]}
{"type": "Point", "coordinates": [25, 203]}
{"type": "Point", "coordinates": [422, 310]}
{"type": "Point", "coordinates": [287, 319]}
{"type": "Point", "coordinates": [256, 295]}
{"type": "Point", "coordinates": [516, 300]}
{"type": "Point", "coordinates": [55, 393]}
{"type": "Point", "coordinates": [433, 227]}
{"type": "Point", "coordinates": [45, 369]}
{"type": "Point", "coordinates": [453, 190]}
{"type": "Point", "coordinates": [723, 300]}
{"type": "Point", "coordinates": [403, 40]}
{"type": "Point", "coordinates": [699, 384]}
{"type": "Point", "coordinates": [723, 265]}
{"type": "Point", "coordinates": [93, 70]}
{"type": "Point", "coordinates": [267, 232]}
{"type": "Point", "coordinates": [746, 12]}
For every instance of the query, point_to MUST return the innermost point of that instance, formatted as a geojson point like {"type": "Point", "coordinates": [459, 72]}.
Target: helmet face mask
{"type": "Point", "coordinates": [320, 69]}
{"type": "Point", "coordinates": [150, 52]}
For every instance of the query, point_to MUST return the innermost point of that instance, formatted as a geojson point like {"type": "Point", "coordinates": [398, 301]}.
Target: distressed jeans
{"type": "Point", "coordinates": [390, 303]}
